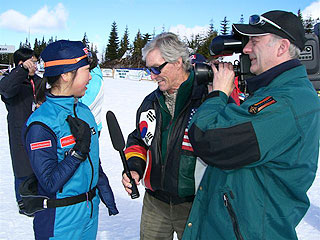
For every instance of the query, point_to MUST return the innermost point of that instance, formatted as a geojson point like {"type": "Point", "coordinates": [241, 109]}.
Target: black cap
{"type": "Point", "coordinates": [197, 58]}
{"type": "Point", "coordinates": [288, 21]}
{"type": "Point", "coordinates": [64, 56]}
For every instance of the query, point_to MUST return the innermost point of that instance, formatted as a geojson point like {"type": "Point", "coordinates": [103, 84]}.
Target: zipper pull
{"type": "Point", "coordinates": [225, 199]}
{"type": "Point", "coordinates": [74, 107]}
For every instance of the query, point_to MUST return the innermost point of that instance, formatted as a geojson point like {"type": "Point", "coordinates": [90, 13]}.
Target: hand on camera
{"type": "Point", "coordinates": [30, 65]}
{"type": "Point", "coordinates": [82, 134]}
{"type": "Point", "coordinates": [223, 78]}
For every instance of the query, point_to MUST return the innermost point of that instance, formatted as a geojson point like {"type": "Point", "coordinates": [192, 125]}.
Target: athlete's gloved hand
{"type": "Point", "coordinates": [82, 134]}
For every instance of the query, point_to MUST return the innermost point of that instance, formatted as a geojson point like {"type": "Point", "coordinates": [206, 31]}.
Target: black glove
{"type": "Point", "coordinates": [82, 134]}
{"type": "Point", "coordinates": [31, 202]}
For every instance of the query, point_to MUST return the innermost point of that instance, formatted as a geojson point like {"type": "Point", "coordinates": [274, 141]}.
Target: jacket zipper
{"type": "Point", "coordinates": [232, 215]}
{"type": "Point", "coordinates": [163, 169]}
{"type": "Point", "coordinates": [168, 141]}
{"type": "Point", "coordinates": [90, 161]}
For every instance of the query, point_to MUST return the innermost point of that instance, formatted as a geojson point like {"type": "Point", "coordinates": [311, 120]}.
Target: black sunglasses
{"type": "Point", "coordinates": [157, 70]}
{"type": "Point", "coordinates": [257, 19]}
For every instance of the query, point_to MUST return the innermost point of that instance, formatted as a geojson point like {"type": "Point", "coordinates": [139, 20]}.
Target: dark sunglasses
{"type": "Point", "coordinates": [157, 70]}
{"type": "Point", "coordinates": [257, 19]}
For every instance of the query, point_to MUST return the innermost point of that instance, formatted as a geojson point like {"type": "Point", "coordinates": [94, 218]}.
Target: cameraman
{"type": "Point", "coordinates": [262, 155]}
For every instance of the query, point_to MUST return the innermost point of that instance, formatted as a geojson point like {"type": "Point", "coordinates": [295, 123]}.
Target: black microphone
{"type": "Point", "coordinates": [119, 144]}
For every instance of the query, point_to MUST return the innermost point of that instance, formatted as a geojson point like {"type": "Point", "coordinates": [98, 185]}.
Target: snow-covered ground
{"type": "Point", "coordinates": [123, 97]}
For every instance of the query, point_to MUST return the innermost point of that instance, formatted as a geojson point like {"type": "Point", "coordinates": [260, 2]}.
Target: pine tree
{"type": "Point", "coordinates": [113, 44]}
{"type": "Point", "coordinates": [300, 16]}
{"type": "Point", "coordinates": [211, 28]}
{"type": "Point", "coordinates": [50, 40]}
{"type": "Point", "coordinates": [42, 45]}
{"type": "Point", "coordinates": [241, 21]}
{"type": "Point", "coordinates": [194, 42]}
{"type": "Point", "coordinates": [36, 47]}
{"type": "Point", "coordinates": [138, 44]}
{"type": "Point", "coordinates": [27, 44]}
{"type": "Point", "coordinates": [204, 47]}
{"type": "Point", "coordinates": [224, 26]}
{"type": "Point", "coordinates": [309, 25]}
{"type": "Point", "coordinates": [85, 41]}
{"type": "Point", "coordinates": [124, 43]}
{"type": "Point", "coordinates": [146, 38]}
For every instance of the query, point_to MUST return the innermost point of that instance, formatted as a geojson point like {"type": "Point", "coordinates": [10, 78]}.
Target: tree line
{"type": "Point", "coordinates": [120, 52]}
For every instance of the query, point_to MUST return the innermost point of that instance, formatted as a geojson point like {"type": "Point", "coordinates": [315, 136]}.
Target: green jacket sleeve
{"type": "Point", "coordinates": [230, 136]}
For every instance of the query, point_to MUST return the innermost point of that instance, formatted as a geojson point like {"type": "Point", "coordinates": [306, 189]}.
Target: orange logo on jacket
{"type": "Point", "coordinates": [40, 145]}
{"type": "Point", "coordinates": [257, 107]}
{"type": "Point", "coordinates": [67, 141]}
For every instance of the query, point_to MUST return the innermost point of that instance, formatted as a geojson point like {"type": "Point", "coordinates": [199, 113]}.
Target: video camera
{"type": "Point", "coordinates": [310, 57]}
{"type": "Point", "coordinates": [227, 45]}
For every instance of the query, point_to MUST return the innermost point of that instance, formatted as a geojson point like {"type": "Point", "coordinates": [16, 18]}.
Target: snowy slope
{"type": "Point", "coordinates": [123, 97]}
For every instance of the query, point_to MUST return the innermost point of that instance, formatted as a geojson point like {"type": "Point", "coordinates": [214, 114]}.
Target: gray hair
{"type": "Point", "coordinates": [294, 51]}
{"type": "Point", "coordinates": [170, 47]}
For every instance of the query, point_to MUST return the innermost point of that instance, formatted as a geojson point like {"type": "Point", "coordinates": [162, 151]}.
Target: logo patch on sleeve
{"type": "Point", "coordinates": [259, 106]}
{"type": "Point", "coordinates": [40, 145]}
{"type": "Point", "coordinates": [67, 141]}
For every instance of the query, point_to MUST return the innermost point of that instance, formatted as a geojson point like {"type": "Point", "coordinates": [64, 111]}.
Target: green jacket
{"type": "Point", "coordinates": [262, 158]}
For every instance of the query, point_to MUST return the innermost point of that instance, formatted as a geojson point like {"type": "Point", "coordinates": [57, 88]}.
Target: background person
{"type": "Point", "coordinates": [62, 144]}
{"type": "Point", "coordinates": [263, 154]}
{"type": "Point", "coordinates": [18, 91]}
{"type": "Point", "coordinates": [158, 150]}
{"type": "Point", "coordinates": [93, 97]}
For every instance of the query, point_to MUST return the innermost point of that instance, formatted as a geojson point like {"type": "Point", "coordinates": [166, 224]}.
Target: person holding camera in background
{"type": "Point", "coordinates": [262, 155]}
{"type": "Point", "coordinates": [18, 91]}
{"type": "Point", "coordinates": [158, 150]}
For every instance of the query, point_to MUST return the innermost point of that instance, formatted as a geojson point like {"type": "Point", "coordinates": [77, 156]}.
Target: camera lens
{"type": "Point", "coordinates": [203, 73]}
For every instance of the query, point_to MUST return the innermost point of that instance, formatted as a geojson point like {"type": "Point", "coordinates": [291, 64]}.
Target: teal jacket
{"type": "Point", "coordinates": [93, 97]}
{"type": "Point", "coordinates": [262, 158]}
{"type": "Point", "coordinates": [60, 175]}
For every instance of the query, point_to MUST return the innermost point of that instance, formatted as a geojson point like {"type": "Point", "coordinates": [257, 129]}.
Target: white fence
{"type": "Point", "coordinates": [126, 73]}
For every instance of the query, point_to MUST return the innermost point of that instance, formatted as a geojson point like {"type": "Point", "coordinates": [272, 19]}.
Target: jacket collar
{"type": "Point", "coordinates": [66, 102]}
{"type": "Point", "coordinates": [265, 78]}
{"type": "Point", "coordinates": [197, 90]}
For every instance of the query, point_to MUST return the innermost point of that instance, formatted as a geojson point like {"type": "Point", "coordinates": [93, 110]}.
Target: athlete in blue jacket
{"type": "Point", "coordinates": [62, 144]}
{"type": "Point", "coordinates": [93, 97]}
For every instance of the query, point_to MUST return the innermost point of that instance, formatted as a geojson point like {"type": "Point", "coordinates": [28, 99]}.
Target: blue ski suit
{"type": "Point", "coordinates": [48, 140]}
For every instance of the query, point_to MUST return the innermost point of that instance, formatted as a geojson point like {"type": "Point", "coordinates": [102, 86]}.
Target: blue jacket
{"type": "Point", "coordinates": [48, 140]}
{"type": "Point", "coordinates": [93, 97]}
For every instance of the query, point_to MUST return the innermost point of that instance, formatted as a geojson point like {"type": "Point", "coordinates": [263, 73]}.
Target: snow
{"type": "Point", "coordinates": [123, 97]}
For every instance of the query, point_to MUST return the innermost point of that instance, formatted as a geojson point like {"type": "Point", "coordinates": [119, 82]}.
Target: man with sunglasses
{"type": "Point", "coordinates": [158, 150]}
{"type": "Point", "coordinates": [262, 155]}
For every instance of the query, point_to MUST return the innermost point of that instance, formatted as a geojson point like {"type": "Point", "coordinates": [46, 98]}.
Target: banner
{"type": "Point", "coordinates": [126, 73]}
{"type": "Point", "coordinates": [7, 48]}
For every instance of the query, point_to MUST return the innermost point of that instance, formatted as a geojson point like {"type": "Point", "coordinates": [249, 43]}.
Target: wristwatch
{"type": "Point", "coordinates": [73, 153]}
